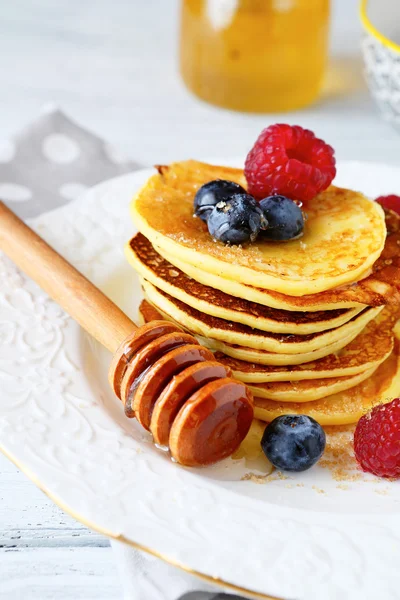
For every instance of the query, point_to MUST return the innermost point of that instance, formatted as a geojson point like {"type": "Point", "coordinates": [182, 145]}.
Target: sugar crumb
{"type": "Point", "coordinates": [260, 479]}
{"type": "Point", "coordinates": [342, 486]}
{"type": "Point", "coordinates": [274, 476]}
{"type": "Point", "coordinates": [339, 454]}
{"type": "Point", "coordinates": [279, 475]}
{"type": "Point", "coordinates": [384, 492]}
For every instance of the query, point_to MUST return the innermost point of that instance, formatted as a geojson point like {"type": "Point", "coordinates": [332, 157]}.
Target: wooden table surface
{"type": "Point", "coordinates": [112, 66]}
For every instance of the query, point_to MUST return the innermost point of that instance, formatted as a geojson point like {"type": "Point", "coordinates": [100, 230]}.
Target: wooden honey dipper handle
{"type": "Point", "coordinates": [96, 313]}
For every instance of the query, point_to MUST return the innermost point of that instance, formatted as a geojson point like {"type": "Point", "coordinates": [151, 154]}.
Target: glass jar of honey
{"type": "Point", "coordinates": [255, 55]}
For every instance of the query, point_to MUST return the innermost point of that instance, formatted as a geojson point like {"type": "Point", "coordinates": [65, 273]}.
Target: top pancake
{"type": "Point", "coordinates": [162, 274]}
{"type": "Point", "coordinates": [381, 286]}
{"type": "Point", "coordinates": [344, 235]}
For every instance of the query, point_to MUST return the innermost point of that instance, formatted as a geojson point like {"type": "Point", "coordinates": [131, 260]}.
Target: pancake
{"type": "Point", "coordinates": [308, 390]}
{"type": "Point", "coordinates": [346, 407]}
{"type": "Point", "coordinates": [344, 235]}
{"type": "Point", "coordinates": [234, 333]}
{"type": "Point", "coordinates": [250, 355]}
{"type": "Point", "coordinates": [155, 269]}
{"type": "Point", "coordinates": [367, 351]}
{"type": "Point", "coordinates": [260, 357]}
{"type": "Point", "coordinates": [380, 287]}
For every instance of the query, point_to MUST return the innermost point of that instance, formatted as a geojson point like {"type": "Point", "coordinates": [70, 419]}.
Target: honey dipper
{"type": "Point", "coordinates": [171, 384]}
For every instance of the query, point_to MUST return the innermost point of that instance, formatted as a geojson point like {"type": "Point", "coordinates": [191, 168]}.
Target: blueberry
{"type": "Point", "coordinates": [285, 218]}
{"type": "Point", "coordinates": [293, 442]}
{"type": "Point", "coordinates": [237, 220]}
{"type": "Point", "coordinates": [211, 193]}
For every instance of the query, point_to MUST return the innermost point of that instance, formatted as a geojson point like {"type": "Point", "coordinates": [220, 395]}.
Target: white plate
{"type": "Point", "coordinates": [62, 426]}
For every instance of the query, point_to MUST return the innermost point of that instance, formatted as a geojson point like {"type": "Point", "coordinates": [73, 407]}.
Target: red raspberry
{"type": "Point", "coordinates": [289, 161]}
{"type": "Point", "coordinates": [377, 440]}
{"type": "Point", "coordinates": [392, 202]}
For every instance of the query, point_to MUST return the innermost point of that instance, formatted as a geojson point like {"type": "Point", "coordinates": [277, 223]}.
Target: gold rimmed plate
{"type": "Point", "coordinates": [303, 536]}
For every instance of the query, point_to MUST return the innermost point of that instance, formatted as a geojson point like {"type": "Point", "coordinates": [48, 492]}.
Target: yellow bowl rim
{"type": "Point", "coordinates": [373, 31]}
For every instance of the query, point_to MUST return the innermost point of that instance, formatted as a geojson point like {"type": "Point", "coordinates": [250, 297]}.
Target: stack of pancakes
{"type": "Point", "coordinates": [309, 325]}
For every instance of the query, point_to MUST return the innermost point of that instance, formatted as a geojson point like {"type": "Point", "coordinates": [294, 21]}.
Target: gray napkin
{"type": "Point", "coordinates": [52, 161]}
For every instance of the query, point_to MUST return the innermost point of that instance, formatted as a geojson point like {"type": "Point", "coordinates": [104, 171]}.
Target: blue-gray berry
{"type": "Point", "coordinates": [237, 220]}
{"type": "Point", "coordinates": [293, 442]}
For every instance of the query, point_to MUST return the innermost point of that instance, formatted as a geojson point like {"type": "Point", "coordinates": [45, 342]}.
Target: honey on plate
{"type": "Point", "coordinates": [255, 55]}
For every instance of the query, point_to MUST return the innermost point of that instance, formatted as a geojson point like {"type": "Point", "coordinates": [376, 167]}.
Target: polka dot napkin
{"type": "Point", "coordinates": [52, 161]}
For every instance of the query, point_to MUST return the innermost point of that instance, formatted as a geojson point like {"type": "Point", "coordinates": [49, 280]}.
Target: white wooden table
{"type": "Point", "coordinates": [112, 66]}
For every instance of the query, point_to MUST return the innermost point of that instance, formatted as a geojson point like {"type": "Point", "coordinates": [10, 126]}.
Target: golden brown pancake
{"type": "Point", "coordinates": [162, 274]}
{"type": "Point", "coordinates": [307, 390]}
{"type": "Point", "coordinates": [252, 355]}
{"type": "Point", "coordinates": [348, 406]}
{"type": "Point", "coordinates": [368, 350]}
{"type": "Point", "coordinates": [261, 357]}
{"type": "Point", "coordinates": [234, 333]}
{"type": "Point", "coordinates": [376, 288]}
{"type": "Point", "coordinates": [340, 408]}
{"type": "Point", "coordinates": [344, 235]}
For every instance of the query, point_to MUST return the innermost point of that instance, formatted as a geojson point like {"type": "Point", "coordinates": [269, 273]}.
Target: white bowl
{"type": "Point", "coordinates": [381, 50]}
